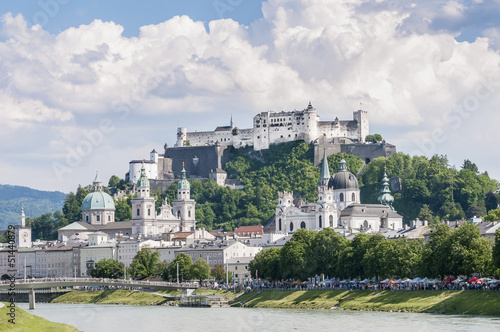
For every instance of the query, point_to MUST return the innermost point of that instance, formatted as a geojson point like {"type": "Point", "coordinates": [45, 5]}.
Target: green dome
{"type": "Point", "coordinates": [143, 180]}
{"type": "Point", "coordinates": [183, 183]}
{"type": "Point", "coordinates": [98, 200]}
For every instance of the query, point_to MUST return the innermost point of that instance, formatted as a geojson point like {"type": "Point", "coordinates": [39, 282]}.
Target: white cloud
{"type": "Point", "coordinates": [339, 54]}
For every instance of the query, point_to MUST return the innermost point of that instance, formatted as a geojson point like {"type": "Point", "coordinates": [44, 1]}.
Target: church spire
{"type": "Point", "coordinates": [22, 216]}
{"type": "Point", "coordinates": [96, 184]}
{"type": "Point", "coordinates": [232, 121]}
{"type": "Point", "coordinates": [325, 170]}
{"type": "Point", "coordinates": [385, 196]}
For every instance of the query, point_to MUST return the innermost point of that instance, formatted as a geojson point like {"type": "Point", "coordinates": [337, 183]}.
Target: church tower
{"type": "Point", "coordinates": [385, 197]}
{"type": "Point", "coordinates": [325, 206]}
{"type": "Point", "coordinates": [23, 233]}
{"type": "Point", "coordinates": [184, 206]}
{"type": "Point", "coordinates": [143, 206]}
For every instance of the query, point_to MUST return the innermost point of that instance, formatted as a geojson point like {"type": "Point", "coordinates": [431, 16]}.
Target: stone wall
{"type": "Point", "coordinates": [367, 152]}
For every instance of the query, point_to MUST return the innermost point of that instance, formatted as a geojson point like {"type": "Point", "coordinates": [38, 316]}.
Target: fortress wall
{"type": "Point", "coordinates": [209, 157]}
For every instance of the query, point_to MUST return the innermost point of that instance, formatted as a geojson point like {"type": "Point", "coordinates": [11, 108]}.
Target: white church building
{"type": "Point", "coordinates": [338, 206]}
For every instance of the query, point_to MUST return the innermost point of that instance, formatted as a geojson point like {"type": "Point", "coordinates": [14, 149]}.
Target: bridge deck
{"type": "Point", "coordinates": [68, 282]}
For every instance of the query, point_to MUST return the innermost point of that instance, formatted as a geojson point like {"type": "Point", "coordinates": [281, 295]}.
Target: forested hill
{"type": "Point", "coordinates": [36, 203]}
{"type": "Point", "coordinates": [431, 189]}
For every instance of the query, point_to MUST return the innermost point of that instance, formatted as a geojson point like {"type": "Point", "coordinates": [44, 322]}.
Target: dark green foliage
{"type": "Point", "coordinates": [185, 263]}
{"type": "Point", "coordinates": [446, 191]}
{"type": "Point", "coordinates": [457, 251]}
{"type": "Point", "coordinates": [108, 268]}
{"type": "Point", "coordinates": [199, 270]}
{"type": "Point", "coordinates": [145, 263]}
{"type": "Point", "coordinates": [496, 250]}
{"type": "Point", "coordinates": [375, 138]}
{"type": "Point", "coordinates": [45, 226]}
{"type": "Point", "coordinates": [267, 263]}
{"type": "Point", "coordinates": [123, 208]}
{"type": "Point", "coordinates": [72, 208]}
{"type": "Point", "coordinates": [490, 201]}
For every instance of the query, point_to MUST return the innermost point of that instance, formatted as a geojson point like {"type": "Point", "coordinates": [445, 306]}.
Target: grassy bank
{"type": "Point", "coordinates": [120, 296]}
{"type": "Point", "coordinates": [27, 322]}
{"type": "Point", "coordinates": [447, 302]}
{"type": "Point", "coordinates": [115, 296]}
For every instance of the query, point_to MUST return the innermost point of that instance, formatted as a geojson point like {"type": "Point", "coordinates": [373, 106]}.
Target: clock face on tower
{"type": "Point", "coordinates": [25, 235]}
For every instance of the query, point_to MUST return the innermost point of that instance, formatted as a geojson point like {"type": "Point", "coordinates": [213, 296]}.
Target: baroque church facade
{"type": "Point", "coordinates": [338, 206]}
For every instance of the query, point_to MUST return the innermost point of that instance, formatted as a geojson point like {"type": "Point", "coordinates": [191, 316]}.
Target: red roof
{"type": "Point", "coordinates": [247, 230]}
{"type": "Point", "coordinates": [182, 235]}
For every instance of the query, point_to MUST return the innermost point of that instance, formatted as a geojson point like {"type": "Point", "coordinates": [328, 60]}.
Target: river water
{"type": "Point", "coordinates": [110, 318]}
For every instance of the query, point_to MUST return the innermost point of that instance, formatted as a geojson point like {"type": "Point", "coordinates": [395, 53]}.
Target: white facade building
{"type": "Point", "coordinates": [279, 127]}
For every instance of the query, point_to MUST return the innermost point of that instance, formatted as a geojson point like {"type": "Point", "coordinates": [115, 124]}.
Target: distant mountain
{"type": "Point", "coordinates": [36, 203]}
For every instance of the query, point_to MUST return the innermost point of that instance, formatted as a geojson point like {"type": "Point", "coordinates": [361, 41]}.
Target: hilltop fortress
{"type": "Point", "coordinates": [280, 127]}
{"type": "Point", "coordinates": [204, 154]}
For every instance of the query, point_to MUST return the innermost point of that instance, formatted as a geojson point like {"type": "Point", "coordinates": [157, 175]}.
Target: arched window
{"type": "Point", "coordinates": [341, 197]}
{"type": "Point", "coordinates": [98, 218]}
{"type": "Point", "coordinates": [189, 213]}
{"type": "Point", "coordinates": [87, 218]}
{"type": "Point", "coordinates": [331, 221]}
{"type": "Point", "coordinates": [353, 197]}
{"type": "Point", "coordinates": [109, 218]}
{"type": "Point", "coordinates": [291, 227]}
{"type": "Point", "coordinates": [303, 225]}
{"type": "Point", "coordinates": [279, 224]}
{"type": "Point", "coordinates": [365, 224]}
{"type": "Point", "coordinates": [320, 223]}
{"type": "Point", "coordinates": [138, 212]}
{"type": "Point", "coordinates": [149, 212]}
{"type": "Point", "coordinates": [179, 214]}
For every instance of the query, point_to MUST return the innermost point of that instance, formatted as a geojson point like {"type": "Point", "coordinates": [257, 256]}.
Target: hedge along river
{"type": "Point", "coordinates": [92, 317]}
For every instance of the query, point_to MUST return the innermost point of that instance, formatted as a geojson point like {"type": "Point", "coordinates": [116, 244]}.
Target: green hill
{"type": "Point", "coordinates": [36, 203]}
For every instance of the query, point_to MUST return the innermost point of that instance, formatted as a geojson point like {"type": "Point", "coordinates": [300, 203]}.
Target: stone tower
{"type": "Point", "coordinates": [184, 206]}
{"type": "Point", "coordinates": [23, 233]}
{"type": "Point", "coordinates": [143, 206]}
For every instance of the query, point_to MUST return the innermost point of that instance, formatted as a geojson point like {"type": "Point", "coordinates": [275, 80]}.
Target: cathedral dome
{"type": "Point", "coordinates": [343, 180]}
{"type": "Point", "coordinates": [98, 200]}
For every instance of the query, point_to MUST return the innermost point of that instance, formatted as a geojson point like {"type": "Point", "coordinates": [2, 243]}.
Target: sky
{"type": "Point", "coordinates": [90, 85]}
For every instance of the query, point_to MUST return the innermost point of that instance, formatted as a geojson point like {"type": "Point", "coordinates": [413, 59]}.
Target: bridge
{"type": "Point", "coordinates": [32, 284]}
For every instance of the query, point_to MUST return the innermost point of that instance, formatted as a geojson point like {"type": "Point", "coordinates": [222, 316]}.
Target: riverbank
{"type": "Point", "coordinates": [130, 297]}
{"type": "Point", "coordinates": [443, 302]}
{"type": "Point", "coordinates": [25, 321]}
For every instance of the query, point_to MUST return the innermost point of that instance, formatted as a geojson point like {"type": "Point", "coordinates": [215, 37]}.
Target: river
{"type": "Point", "coordinates": [110, 318]}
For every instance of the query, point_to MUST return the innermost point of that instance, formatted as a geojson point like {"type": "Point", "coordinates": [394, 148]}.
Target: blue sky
{"type": "Point", "coordinates": [427, 72]}
{"type": "Point", "coordinates": [58, 15]}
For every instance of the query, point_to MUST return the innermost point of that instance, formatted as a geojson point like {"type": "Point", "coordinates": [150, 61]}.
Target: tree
{"type": "Point", "coordinates": [426, 214]}
{"type": "Point", "coordinates": [468, 251]}
{"type": "Point", "coordinates": [200, 270]}
{"type": "Point", "coordinates": [72, 208]}
{"type": "Point", "coordinates": [490, 201]}
{"type": "Point", "coordinates": [218, 272]}
{"type": "Point", "coordinates": [433, 262]}
{"type": "Point", "coordinates": [493, 215]}
{"type": "Point", "coordinates": [296, 256]}
{"type": "Point", "coordinates": [374, 138]}
{"type": "Point", "coordinates": [114, 181]}
{"type": "Point", "coordinates": [123, 209]}
{"type": "Point", "coordinates": [145, 263]}
{"type": "Point", "coordinates": [108, 268]}
{"type": "Point", "coordinates": [327, 247]}
{"type": "Point", "coordinates": [470, 166]}
{"type": "Point", "coordinates": [267, 263]}
{"type": "Point", "coordinates": [185, 263]}
{"type": "Point", "coordinates": [475, 211]}
{"type": "Point", "coordinates": [496, 250]}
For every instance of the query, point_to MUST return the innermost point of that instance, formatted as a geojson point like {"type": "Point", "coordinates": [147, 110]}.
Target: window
{"type": "Point", "coordinates": [87, 218]}
{"type": "Point", "coordinates": [189, 213]}
{"type": "Point", "coordinates": [149, 212]}
{"type": "Point", "coordinates": [353, 196]}
{"type": "Point", "coordinates": [291, 227]}
{"type": "Point", "coordinates": [320, 222]}
{"type": "Point", "coordinates": [138, 212]}
{"type": "Point", "coordinates": [109, 218]}
{"type": "Point", "coordinates": [279, 224]}
{"type": "Point", "coordinates": [179, 214]}
{"type": "Point", "coordinates": [331, 221]}
{"type": "Point", "coordinates": [98, 218]}
{"type": "Point", "coordinates": [303, 225]}
{"type": "Point", "coordinates": [341, 197]}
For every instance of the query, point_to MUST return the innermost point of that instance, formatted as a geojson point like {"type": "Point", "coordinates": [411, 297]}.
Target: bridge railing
{"type": "Point", "coordinates": [102, 281]}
